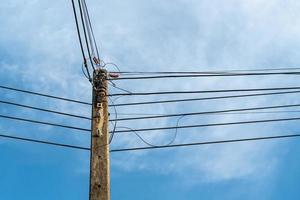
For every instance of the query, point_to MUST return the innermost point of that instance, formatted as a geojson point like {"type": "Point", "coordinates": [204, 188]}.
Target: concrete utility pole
{"type": "Point", "coordinates": [100, 168]}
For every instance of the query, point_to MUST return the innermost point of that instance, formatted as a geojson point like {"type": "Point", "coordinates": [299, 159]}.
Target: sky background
{"type": "Point", "coordinates": [39, 51]}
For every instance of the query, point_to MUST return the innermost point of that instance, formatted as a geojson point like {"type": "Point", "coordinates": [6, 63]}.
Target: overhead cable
{"type": "Point", "coordinates": [78, 30]}
{"type": "Point", "coordinates": [207, 143]}
{"type": "Point", "coordinates": [43, 142]}
{"type": "Point", "coordinates": [44, 110]}
{"type": "Point", "coordinates": [85, 34]}
{"type": "Point", "coordinates": [231, 113]}
{"type": "Point", "coordinates": [205, 72]}
{"type": "Point", "coordinates": [44, 95]}
{"type": "Point", "coordinates": [202, 98]}
{"type": "Point", "coordinates": [153, 147]}
{"type": "Point", "coordinates": [204, 91]}
{"type": "Point", "coordinates": [207, 112]}
{"type": "Point", "coordinates": [208, 125]}
{"type": "Point", "coordinates": [44, 123]}
{"type": "Point", "coordinates": [205, 75]}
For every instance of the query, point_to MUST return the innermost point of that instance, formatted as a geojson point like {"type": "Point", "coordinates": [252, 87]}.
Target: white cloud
{"type": "Point", "coordinates": [40, 40]}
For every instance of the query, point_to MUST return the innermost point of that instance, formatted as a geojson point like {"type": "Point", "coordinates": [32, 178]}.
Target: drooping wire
{"type": "Point", "coordinates": [209, 125]}
{"type": "Point", "coordinates": [206, 143]}
{"type": "Point", "coordinates": [115, 123]}
{"type": "Point", "coordinates": [119, 88]}
{"type": "Point", "coordinates": [144, 140]}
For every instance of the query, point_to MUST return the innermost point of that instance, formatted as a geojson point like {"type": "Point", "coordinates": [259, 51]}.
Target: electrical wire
{"type": "Point", "coordinates": [207, 143]}
{"type": "Point", "coordinates": [119, 88]}
{"type": "Point", "coordinates": [91, 30]}
{"type": "Point", "coordinates": [209, 125]}
{"type": "Point", "coordinates": [115, 124]}
{"type": "Point", "coordinates": [206, 72]}
{"type": "Point", "coordinates": [78, 30]}
{"type": "Point", "coordinates": [206, 75]}
{"type": "Point", "coordinates": [85, 34]}
{"type": "Point", "coordinates": [44, 110]}
{"type": "Point", "coordinates": [231, 113]}
{"type": "Point", "coordinates": [43, 142]}
{"type": "Point", "coordinates": [145, 141]}
{"type": "Point", "coordinates": [204, 91]}
{"type": "Point", "coordinates": [88, 26]}
{"type": "Point", "coordinates": [207, 112]}
{"type": "Point", "coordinates": [44, 123]}
{"type": "Point", "coordinates": [153, 147]}
{"type": "Point", "coordinates": [44, 95]}
{"type": "Point", "coordinates": [203, 98]}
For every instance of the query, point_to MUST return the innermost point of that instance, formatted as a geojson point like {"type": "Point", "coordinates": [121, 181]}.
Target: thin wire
{"type": "Point", "coordinates": [119, 88]}
{"type": "Point", "coordinates": [80, 41]}
{"type": "Point", "coordinates": [78, 30]}
{"type": "Point", "coordinates": [44, 110]}
{"type": "Point", "coordinates": [207, 112]}
{"type": "Point", "coordinates": [86, 74]}
{"type": "Point", "coordinates": [206, 75]}
{"type": "Point", "coordinates": [115, 124]}
{"type": "Point", "coordinates": [145, 141]}
{"type": "Point", "coordinates": [85, 33]}
{"type": "Point", "coordinates": [44, 142]}
{"type": "Point", "coordinates": [232, 113]}
{"type": "Point", "coordinates": [44, 123]}
{"type": "Point", "coordinates": [210, 125]}
{"type": "Point", "coordinates": [113, 64]}
{"type": "Point", "coordinates": [204, 98]}
{"type": "Point", "coordinates": [207, 143]}
{"type": "Point", "coordinates": [155, 147]}
{"type": "Point", "coordinates": [44, 95]}
{"type": "Point", "coordinates": [92, 31]}
{"type": "Point", "coordinates": [203, 91]}
{"type": "Point", "coordinates": [207, 72]}
{"type": "Point", "coordinates": [88, 25]}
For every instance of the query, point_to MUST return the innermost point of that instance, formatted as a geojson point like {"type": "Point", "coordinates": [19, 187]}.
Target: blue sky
{"type": "Point", "coordinates": [39, 51]}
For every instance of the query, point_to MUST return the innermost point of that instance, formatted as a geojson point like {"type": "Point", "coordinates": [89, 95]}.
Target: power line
{"type": "Point", "coordinates": [232, 113]}
{"type": "Point", "coordinates": [152, 147]}
{"type": "Point", "coordinates": [206, 75]}
{"type": "Point", "coordinates": [44, 123]}
{"type": "Point", "coordinates": [78, 30]}
{"type": "Point", "coordinates": [204, 91]}
{"type": "Point", "coordinates": [90, 30]}
{"type": "Point", "coordinates": [85, 33]}
{"type": "Point", "coordinates": [43, 142]}
{"type": "Point", "coordinates": [208, 125]}
{"type": "Point", "coordinates": [43, 95]}
{"type": "Point", "coordinates": [203, 98]}
{"type": "Point", "coordinates": [207, 112]}
{"type": "Point", "coordinates": [207, 143]}
{"type": "Point", "coordinates": [44, 110]}
{"type": "Point", "coordinates": [206, 72]}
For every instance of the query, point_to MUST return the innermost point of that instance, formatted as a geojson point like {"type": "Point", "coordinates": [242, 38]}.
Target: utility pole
{"type": "Point", "coordinates": [99, 166]}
